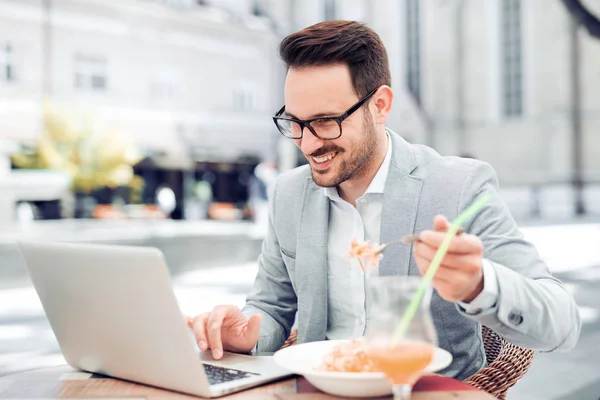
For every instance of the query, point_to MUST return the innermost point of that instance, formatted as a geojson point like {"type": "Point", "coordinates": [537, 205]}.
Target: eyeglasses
{"type": "Point", "coordinates": [327, 128]}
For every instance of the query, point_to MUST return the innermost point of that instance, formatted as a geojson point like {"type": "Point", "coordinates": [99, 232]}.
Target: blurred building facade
{"type": "Point", "coordinates": [183, 79]}
{"type": "Point", "coordinates": [515, 83]}
{"type": "Point", "coordinates": [196, 81]}
{"type": "Point", "coordinates": [511, 82]}
{"type": "Point", "coordinates": [190, 83]}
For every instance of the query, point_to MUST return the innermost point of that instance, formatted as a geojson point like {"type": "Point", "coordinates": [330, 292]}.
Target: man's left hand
{"type": "Point", "coordinates": [460, 274]}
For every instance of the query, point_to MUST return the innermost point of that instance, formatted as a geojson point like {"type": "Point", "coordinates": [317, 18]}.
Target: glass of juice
{"type": "Point", "coordinates": [403, 361]}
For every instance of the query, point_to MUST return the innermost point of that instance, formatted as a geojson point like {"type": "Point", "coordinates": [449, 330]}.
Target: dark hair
{"type": "Point", "coordinates": [332, 42]}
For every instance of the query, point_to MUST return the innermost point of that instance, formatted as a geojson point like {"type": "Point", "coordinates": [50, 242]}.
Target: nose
{"type": "Point", "coordinates": [309, 142]}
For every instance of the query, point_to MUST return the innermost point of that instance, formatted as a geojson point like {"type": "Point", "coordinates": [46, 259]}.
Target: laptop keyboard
{"type": "Point", "coordinates": [218, 375]}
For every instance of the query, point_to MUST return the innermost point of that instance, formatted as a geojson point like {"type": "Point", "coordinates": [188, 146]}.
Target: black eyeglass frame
{"type": "Point", "coordinates": [306, 123]}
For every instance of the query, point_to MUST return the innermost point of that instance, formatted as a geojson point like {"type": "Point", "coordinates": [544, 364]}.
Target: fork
{"type": "Point", "coordinates": [406, 239]}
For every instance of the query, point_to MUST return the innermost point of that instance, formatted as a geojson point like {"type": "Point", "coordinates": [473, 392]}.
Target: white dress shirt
{"type": "Point", "coordinates": [346, 307]}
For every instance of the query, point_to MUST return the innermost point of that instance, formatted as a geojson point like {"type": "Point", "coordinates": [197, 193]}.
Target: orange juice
{"type": "Point", "coordinates": [404, 363]}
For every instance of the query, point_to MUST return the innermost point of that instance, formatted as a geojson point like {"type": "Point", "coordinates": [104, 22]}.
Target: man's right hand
{"type": "Point", "coordinates": [226, 328]}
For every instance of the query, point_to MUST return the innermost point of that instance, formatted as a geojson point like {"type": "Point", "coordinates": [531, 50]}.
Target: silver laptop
{"type": "Point", "coordinates": [113, 312]}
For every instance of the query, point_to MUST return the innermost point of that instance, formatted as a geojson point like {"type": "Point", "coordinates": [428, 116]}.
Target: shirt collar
{"type": "Point", "coordinates": [377, 185]}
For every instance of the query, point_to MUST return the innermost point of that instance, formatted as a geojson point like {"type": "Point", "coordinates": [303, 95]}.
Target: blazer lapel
{"type": "Point", "coordinates": [311, 264]}
{"type": "Point", "coordinates": [399, 209]}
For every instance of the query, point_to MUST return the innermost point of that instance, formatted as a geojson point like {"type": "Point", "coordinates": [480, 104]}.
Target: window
{"type": "Point", "coordinates": [329, 9]}
{"type": "Point", "coordinates": [413, 49]}
{"type": "Point", "coordinates": [7, 64]}
{"type": "Point", "coordinates": [245, 97]}
{"type": "Point", "coordinates": [90, 73]}
{"type": "Point", "coordinates": [511, 58]}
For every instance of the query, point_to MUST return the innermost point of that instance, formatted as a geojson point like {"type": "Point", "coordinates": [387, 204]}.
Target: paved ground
{"type": "Point", "coordinates": [576, 374]}
{"type": "Point", "coordinates": [572, 252]}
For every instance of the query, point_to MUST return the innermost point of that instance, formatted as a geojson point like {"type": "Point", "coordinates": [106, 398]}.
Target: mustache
{"type": "Point", "coordinates": [326, 150]}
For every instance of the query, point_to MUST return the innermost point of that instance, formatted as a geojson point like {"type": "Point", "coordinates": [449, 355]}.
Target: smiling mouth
{"type": "Point", "coordinates": [324, 158]}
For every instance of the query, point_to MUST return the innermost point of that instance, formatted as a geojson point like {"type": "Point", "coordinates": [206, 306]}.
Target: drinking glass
{"type": "Point", "coordinates": [403, 361]}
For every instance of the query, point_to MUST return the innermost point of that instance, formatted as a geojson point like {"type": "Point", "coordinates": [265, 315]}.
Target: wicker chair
{"type": "Point", "coordinates": [291, 340]}
{"type": "Point", "coordinates": [507, 363]}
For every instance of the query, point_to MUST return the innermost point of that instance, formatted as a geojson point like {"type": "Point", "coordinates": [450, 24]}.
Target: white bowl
{"type": "Point", "coordinates": [302, 359]}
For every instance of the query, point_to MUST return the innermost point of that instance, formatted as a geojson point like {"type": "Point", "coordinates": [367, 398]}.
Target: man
{"type": "Point", "coordinates": [364, 181]}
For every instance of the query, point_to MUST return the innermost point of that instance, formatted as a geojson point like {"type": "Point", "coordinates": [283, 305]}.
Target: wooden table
{"type": "Point", "coordinates": [64, 382]}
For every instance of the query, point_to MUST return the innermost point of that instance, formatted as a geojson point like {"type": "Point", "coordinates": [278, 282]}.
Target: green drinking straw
{"type": "Point", "coordinates": [435, 263]}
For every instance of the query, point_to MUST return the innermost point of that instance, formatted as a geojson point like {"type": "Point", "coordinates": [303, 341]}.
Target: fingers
{"type": "Point", "coordinates": [467, 262]}
{"type": "Point", "coordinates": [442, 277]}
{"type": "Point", "coordinates": [214, 325]}
{"type": "Point", "coordinates": [458, 275]}
{"type": "Point", "coordinates": [441, 223]}
{"type": "Point", "coordinates": [463, 244]}
{"type": "Point", "coordinates": [207, 330]}
{"type": "Point", "coordinates": [448, 282]}
{"type": "Point", "coordinates": [189, 321]}
{"type": "Point", "coordinates": [199, 328]}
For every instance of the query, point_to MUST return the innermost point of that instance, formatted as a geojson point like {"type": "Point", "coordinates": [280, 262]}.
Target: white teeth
{"type": "Point", "coordinates": [324, 158]}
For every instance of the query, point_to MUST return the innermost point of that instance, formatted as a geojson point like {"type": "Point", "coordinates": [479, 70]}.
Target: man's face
{"type": "Point", "coordinates": [328, 92]}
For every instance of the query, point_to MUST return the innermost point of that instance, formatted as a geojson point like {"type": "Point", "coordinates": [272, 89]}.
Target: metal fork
{"type": "Point", "coordinates": [406, 239]}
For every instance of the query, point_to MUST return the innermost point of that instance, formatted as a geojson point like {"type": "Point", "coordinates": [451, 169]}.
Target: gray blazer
{"type": "Point", "coordinates": [534, 309]}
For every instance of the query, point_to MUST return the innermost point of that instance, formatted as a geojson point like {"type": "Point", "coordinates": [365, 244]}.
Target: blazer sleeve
{"type": "Point", "coordinates": [272, 295]}
{"type": "Point", "coordinates": [533, 310]}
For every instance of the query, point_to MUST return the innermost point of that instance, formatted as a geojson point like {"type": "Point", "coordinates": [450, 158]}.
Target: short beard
{"type": "Point", "coordinates": [354, 168]}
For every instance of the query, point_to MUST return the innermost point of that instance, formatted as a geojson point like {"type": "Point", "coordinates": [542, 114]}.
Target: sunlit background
{"type": "Point", "coordinates": [148, 122]}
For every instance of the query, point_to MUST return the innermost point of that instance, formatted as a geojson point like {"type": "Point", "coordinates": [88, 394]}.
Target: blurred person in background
{"type": "Point", "coordinates": [265, 174]}
{"type": "Point", "coordinates": [364, 181]}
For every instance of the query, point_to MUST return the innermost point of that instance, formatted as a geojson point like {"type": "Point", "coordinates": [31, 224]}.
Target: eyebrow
{"type": "Point", "coordinates": [319, 115]}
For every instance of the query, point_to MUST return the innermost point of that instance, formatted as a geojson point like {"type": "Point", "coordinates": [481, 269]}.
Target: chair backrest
{"type": "Point", "coordinates": [507, 363]}
{"type": "Point", "coordinates": [492, 343]}
{"type": "Point", "coordinates": [291, 340]}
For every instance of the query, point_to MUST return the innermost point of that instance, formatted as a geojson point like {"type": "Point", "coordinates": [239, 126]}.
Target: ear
{"type": "Point", "coordinates": [381, 104]}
